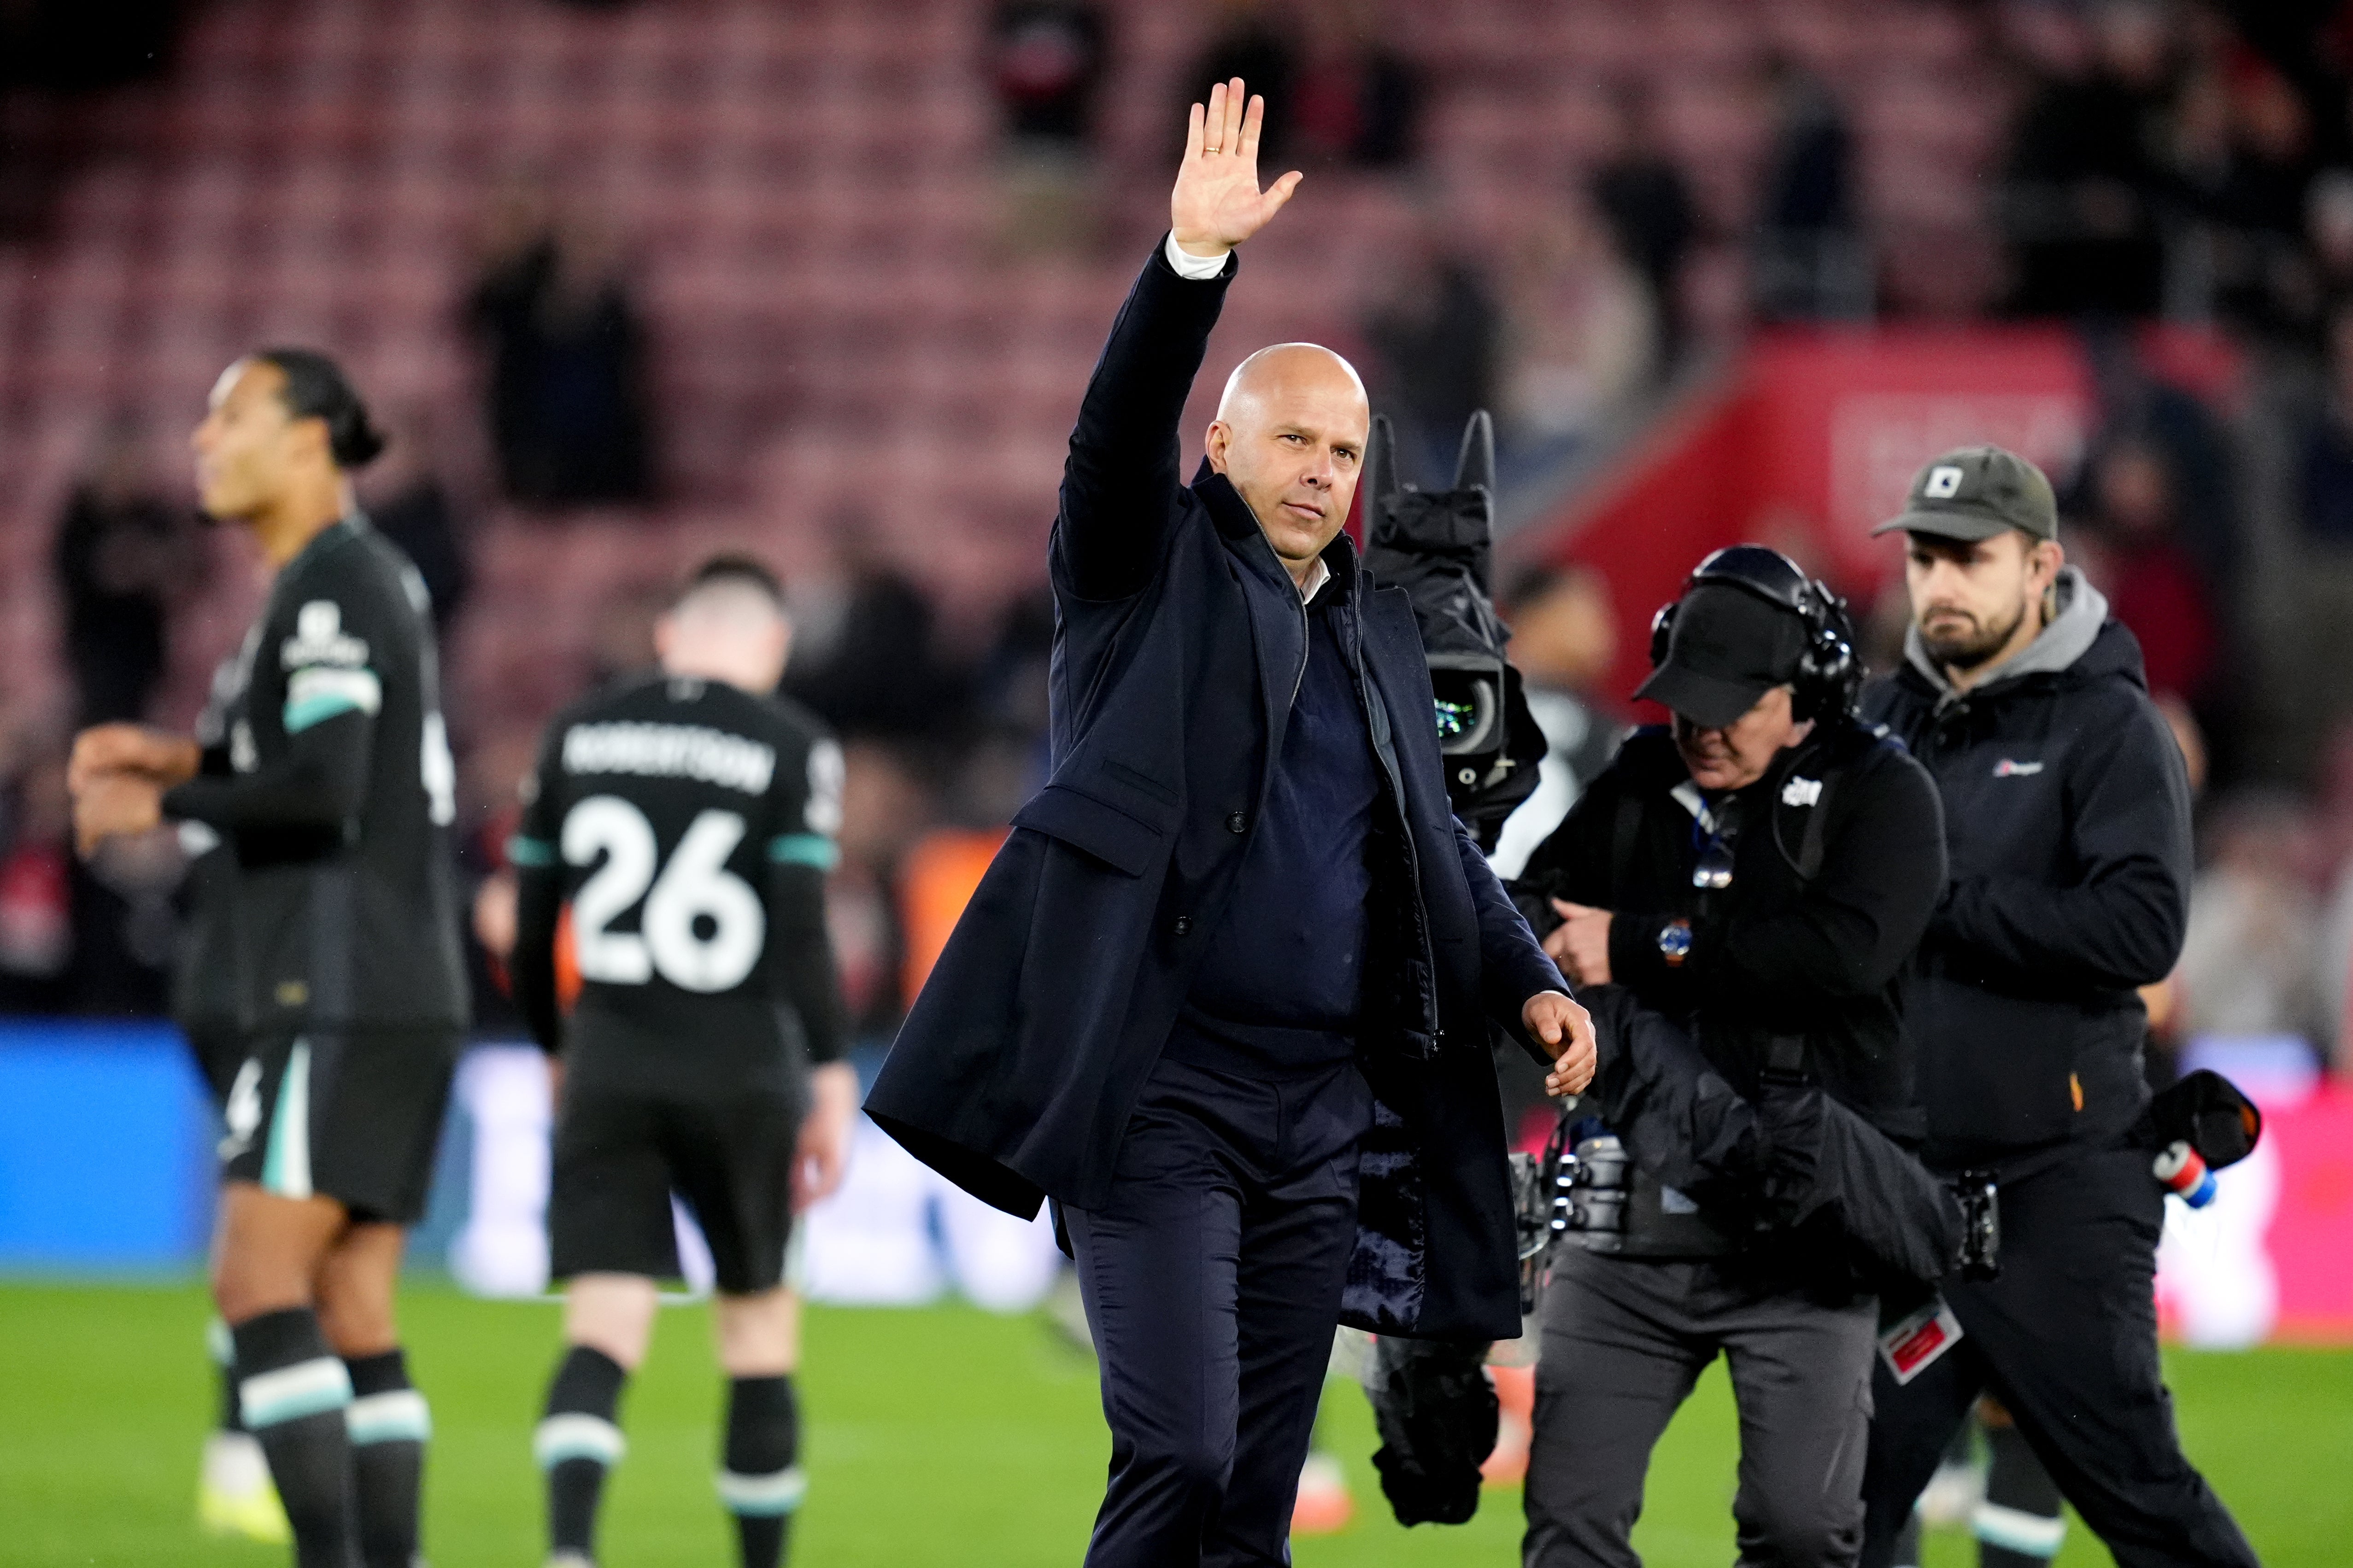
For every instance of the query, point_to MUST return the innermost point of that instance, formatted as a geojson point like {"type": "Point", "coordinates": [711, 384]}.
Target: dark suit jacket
{"type": "Point", "coordinates": [1180, 643]}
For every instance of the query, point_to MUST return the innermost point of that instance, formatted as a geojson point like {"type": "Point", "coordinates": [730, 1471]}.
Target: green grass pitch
{"type": "Point", "coordinates": [942, 1435]}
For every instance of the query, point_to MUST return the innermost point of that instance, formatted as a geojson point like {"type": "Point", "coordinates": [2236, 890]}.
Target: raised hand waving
{"type": "Point", "coordinates": [1217, 204]}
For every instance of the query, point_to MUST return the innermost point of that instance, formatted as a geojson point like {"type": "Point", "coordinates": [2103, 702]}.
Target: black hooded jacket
{"type": "Point", "coordinates": [2067, 824]}
{"type": "Point", "coordinates": [1777, 955]}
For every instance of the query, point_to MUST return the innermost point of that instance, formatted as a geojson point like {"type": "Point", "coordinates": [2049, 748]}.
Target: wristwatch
{"type": "Point", "coordinates": [1674, 942]}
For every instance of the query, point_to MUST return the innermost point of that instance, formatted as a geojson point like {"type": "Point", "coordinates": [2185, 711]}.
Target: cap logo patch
{"type": "Point", "coordinates": [2007, 769]}
{"type": "Point", "coordinates": [1944, 483]}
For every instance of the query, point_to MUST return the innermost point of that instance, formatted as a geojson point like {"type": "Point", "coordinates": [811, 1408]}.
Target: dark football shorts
{"type": "Point", "coordinates": [348, 1114]}
{"type": "Point", "coordinates": [619, 1155]}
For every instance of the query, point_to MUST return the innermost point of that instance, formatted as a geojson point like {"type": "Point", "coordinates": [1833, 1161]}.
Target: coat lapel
{"type": "Point", "coordinates": [1392, 647]}
{"type": "Point", "coordinates": [1278, 626]}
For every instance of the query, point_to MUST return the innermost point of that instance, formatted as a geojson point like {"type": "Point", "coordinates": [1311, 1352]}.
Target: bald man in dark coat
{"type": "Point", "coordinates": [1227, 994]}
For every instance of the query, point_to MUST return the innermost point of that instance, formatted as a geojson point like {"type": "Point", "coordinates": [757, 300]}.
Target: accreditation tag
{"type": "Point", "coordinates": [1912, 1344]}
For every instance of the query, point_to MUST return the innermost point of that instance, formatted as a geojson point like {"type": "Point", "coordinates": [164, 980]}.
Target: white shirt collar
{"type": "Point", "coordinates": [1316, 581]}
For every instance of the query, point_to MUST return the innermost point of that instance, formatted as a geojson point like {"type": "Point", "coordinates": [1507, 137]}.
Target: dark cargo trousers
{"type": "Point", "coordinates": [2066, 1338]}
{"type": "Point", "coordinates": [1624, 1340]}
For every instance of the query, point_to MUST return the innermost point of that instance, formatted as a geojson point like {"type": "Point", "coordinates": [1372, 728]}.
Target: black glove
{"type": "Point", "coordinates": [1436, 1412]}
{"type": "Point", "coordinates": [2207, 1111]}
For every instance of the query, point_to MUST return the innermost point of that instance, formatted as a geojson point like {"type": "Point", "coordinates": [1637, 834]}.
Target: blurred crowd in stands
{"type": "Point", "coordinates": [2177, 160]}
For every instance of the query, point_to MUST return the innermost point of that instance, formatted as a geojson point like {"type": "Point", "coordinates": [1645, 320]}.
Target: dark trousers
{"type": "Point", "coordinates": [1624, 1340]}
{"type": "Point", "coordinates": [2066, 1338]}
{"type": "Point", "coordinates": [1212, 1281]}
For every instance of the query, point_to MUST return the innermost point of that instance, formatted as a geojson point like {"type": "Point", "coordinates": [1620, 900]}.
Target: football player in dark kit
{"type": "Point", "coordinates": [1757, 873]}
{"type": "Point", "coordinates": [2067, 814]}
{"type": "Point", "coordinates": [323, 766]}
{"type": "Point", "coordinates": [687, 818]}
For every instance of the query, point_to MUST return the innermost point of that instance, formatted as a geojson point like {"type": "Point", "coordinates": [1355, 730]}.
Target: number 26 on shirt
{"type": "Point", "coordinates": [694, 887]}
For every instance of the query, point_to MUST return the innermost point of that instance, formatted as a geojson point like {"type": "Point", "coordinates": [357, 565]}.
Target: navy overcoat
{"type": "Point", "coordinates": [1180, 643]}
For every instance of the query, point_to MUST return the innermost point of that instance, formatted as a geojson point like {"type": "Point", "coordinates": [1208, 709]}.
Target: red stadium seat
{"type": "Point", "coordinates": [811, 195]}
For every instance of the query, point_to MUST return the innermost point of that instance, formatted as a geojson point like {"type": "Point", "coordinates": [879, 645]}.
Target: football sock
{"type": "Point", "coordinates": [389, 1422]}
{"type": "Point", "coordinates": [222, 1345]}
{"type": "Point", "coordinates": [576, 1443]}
{"type": "Point", "coordinates": [761, 1484]}
{"type": "Point", "coordinates": [292, 1391]}
{"type": "Point", "coordinates": [2019, 1524]}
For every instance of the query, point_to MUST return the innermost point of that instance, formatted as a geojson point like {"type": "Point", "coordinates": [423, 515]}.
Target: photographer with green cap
{"type": "Point", "coordinates": [2067, 830]}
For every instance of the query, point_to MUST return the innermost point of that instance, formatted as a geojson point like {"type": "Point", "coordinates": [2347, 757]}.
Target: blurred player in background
{"type": "Point", "coordinates": [323, 766]}
{"type": "Point", "coordinates": [683, 823]}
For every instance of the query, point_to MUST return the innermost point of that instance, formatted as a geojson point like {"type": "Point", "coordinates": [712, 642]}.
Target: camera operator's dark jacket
{"type": "Point", "coordinates": [2067, 816]}
{"type": "Point", "coordinates": [1180, 643]}
{"type": "Point", "coordinates": [1775, 955]}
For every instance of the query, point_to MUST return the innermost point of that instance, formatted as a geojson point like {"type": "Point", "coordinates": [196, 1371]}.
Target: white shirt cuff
{"type": "Point", "coordinates": [1199, 268]}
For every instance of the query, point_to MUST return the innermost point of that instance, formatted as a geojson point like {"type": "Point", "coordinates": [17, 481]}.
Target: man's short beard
{"type": "Point", "coordinates": [1968, 653]}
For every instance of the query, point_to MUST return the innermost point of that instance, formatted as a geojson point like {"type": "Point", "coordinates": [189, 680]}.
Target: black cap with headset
{"type": "Point", "coordinates": [1748, 620]}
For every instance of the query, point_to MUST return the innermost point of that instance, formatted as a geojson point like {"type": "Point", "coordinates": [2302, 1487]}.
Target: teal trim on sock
{"type": "Point", "coordinates": [2015, 1530]}
{"type": "Point", "coordinates": [399, 1415]}
{"type": "Point", "coordinates": [572, 1436]}
{"type": "Point", "coordinates": [291, 1393]}
{"type": "Point", "coordinates": [763, 1496]}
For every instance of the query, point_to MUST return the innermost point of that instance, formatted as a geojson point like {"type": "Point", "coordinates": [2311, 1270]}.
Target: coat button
{"type": "Point", "coordinates": [1236, 823]}
{"type": "Point", "coordinates": [1184, 925]}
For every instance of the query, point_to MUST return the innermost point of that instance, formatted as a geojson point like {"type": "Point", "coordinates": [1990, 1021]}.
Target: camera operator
{"type": "Point", "coordinates": [2067, 818]}
{"type": "Point", "coordinates": [1757, 873]}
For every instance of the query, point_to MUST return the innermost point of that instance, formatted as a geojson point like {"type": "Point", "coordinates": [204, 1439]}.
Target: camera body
{"type": "Point", "coordinates": [1593, 1193]}
{"type": "Point", "coordinates": [1978, 1256]}
{"type": "Point", "coordinates": [1578, 1195]}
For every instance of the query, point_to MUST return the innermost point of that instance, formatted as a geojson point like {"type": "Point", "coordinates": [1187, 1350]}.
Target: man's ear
{"type": "Point", "coordinates": [2050, 555]}
{"type": "Point", "coordinates": [310, 438]}
{"type": "Point", "coordinates": [1215, 444]}
{"type": "Point", "coordinates": [665, 634]}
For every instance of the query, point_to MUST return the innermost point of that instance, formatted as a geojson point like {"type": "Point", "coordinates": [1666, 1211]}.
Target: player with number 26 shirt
{"type": "Point", "coordinates": [688, 824]}
{"type": "Point", "coordinates": [686, 819]}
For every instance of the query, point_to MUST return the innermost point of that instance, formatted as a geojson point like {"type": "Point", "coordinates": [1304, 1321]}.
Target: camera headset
{"type": "Point", "coordinates": [1829, 677]}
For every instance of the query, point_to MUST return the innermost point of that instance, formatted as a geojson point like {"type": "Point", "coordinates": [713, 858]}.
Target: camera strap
{"type": "Point", "coordinates": [1812, 795]}
{"type": "Point", "coordinates": [1814, 845]}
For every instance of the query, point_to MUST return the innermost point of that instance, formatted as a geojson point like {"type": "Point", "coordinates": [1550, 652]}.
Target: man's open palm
{"type": "Point", "coordinates": [1217, 204]}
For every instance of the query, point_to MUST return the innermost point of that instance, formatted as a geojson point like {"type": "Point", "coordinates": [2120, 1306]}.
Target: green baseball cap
{"type": "Point", "coordinates": [1974, 493]}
